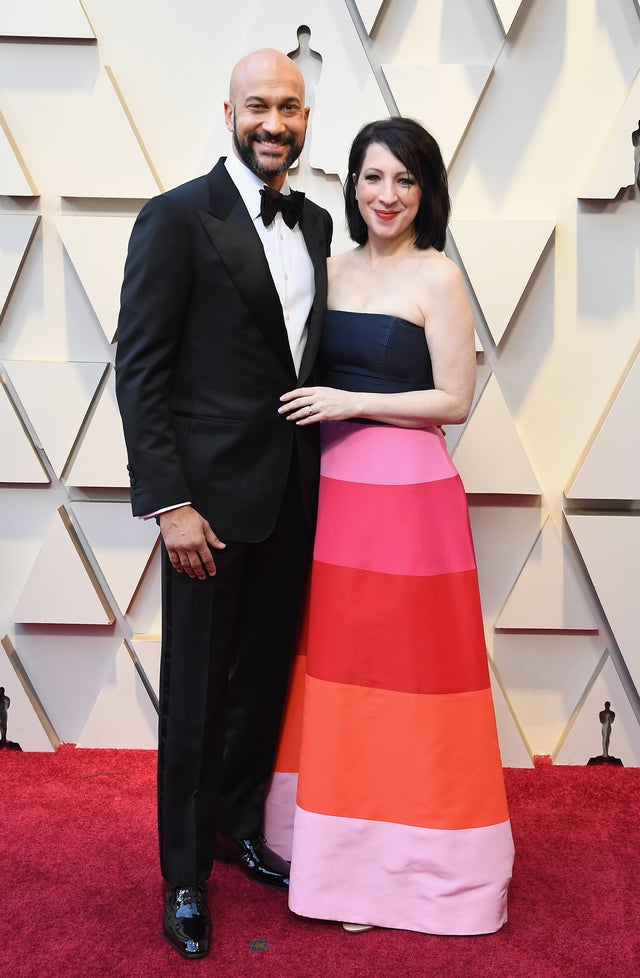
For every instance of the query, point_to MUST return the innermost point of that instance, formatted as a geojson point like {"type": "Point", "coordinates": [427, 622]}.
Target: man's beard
{"type": "Point", "coordinates": [249, 158]}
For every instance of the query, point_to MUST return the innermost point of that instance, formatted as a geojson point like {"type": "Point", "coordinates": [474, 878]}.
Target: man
{"type": "Point", "coordinates": [221, 314]}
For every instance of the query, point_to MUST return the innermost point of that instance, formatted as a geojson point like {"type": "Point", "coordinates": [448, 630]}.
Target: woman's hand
{"type": "Point", "coordinates": [308, 405]}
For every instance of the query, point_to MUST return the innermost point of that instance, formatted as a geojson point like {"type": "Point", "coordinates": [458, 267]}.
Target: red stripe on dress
{"type": "Point", "coordinates": [410, 634]}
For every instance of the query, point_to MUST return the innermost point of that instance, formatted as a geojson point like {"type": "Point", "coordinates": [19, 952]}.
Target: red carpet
{"type": "Point", "coordinates": [80, 886]}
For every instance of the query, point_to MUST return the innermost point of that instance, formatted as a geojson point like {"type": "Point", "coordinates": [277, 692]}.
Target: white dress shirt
{"type": "Point", "coordinates": [289, 262]}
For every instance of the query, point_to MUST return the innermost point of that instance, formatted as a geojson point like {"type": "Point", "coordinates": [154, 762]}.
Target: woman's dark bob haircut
{"type": "Point", "coordinates": [419, 152]}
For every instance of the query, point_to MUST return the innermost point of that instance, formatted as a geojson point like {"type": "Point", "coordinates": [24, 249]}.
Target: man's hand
{"type": "Point", "coordinates": [188, 539]}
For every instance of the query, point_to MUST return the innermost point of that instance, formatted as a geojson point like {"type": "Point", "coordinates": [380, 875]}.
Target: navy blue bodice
{"type": "Point", "coordinates": [374, 352]}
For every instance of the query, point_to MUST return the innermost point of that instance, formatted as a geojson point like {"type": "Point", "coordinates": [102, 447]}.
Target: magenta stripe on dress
{"type": "Point", "coordinates": [383, 454]}
{"type": "Point", "coordinates": [428, 880]}
{"type": "Point", "coordinates": [417, 529]}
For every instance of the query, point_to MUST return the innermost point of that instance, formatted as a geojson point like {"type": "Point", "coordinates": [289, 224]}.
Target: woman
{"type": "Point", "coordinates": [401, 817]}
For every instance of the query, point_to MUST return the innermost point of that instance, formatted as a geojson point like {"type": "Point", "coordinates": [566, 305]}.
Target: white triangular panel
{"type": "Point", "coordinates": [14, 179]}
{"type": "Point", "coordinates": [102, 458]}
{"type": "Point", "coordinates": [123, 715]}
{"type": "Point", "coordinates": [506, 11]}
{"type": "Point", "coordinates": [144, 613]}
{"type": "Point", "coordinates": [59, 589]}
{"type": "Point", "coordinates": [500, 257]}
{"type": "Point", "coordinates": [490, 457]}
{"type": "Point", "coordinates": [70, 386]}
{"type": "Point", "coordinates": [547, 594]}
{"type": "Point", "coordinates": [147, 648]}
{"type": "Point", "coordinates": [16, 234]}
{"type": "Point", "coordinates": [45, 18]}
{"type": "Point", "coordinates": [513, 750]}
{"type": "Point", "coordinates": [27, 722]}
{"type": "Point", "coordinates": [453, 432]}
{"type": "Point", "coordinates": [369, 10]}
{"type": "Point", "coordinates": [418, 91]}
{"type": "Point", "coordinates": [106, 159]}
{"type": "Point", "coordinates": [584, 739]}
{"type": "Point", "coordinates": [503, 535]}
{"type": "Point", "coordinates": [544, 677]}
{"type": "Point", "coordinates": [610, 548]}
{"type": "Point", "coordinates": [611, 469]}
{"type": "Point", "coordinates": [97, 246]}
{"type": "Point", "coordinates": [19, 460]}
{"type": "Point", "coordinates": [614, 168]}
{"type": "Point", "coordinates": [121, 544]}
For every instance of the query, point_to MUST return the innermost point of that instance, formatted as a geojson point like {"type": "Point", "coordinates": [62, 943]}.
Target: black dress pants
{"type": "Point", "coordinates": [226, 652]}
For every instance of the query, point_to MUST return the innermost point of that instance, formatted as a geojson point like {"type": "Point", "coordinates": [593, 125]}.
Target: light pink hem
{"type": "Point", "coordinates": [398, 876]}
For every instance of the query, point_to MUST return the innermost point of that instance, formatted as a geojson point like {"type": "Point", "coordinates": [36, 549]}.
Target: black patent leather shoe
{"type": "Point", "coordinates": [187, 922]}
{"type": "Point", "coordinates": [258, 862]}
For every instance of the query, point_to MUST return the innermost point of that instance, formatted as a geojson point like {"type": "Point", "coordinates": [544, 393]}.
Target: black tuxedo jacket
{"type": "Point", "coordinates": [203, 357]}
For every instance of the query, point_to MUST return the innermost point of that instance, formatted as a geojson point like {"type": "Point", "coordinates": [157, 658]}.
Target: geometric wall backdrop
{"type": "Point", "coordinates": [45, 18]}
{"type": "Point", "coordinates": [97, 246]}
{"type": "Point", "coordinates": [610, 547]}
{"type": "Point", "coordinates": [512, 246]}
{"type": "Point", "coordinates": [613, 169]}
{"type": "Point", "coordinates": [547, 595]}
{"type": "Point", "coordinates": [70, 386]}
{"type": "Point", "coordinates": [535, 105]}
{"type": "Point", "coordinates": [15, 179]}
{"type": "Point", "coordinates": [610, 469]}
{"type": "Point", "coordinates": [16, 233]}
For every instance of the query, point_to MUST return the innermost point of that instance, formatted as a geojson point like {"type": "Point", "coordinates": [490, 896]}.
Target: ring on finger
{"type": "Point", "coordinates": [310, 409]}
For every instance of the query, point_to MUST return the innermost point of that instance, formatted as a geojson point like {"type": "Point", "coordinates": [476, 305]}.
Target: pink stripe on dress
{"type": "Point", "coordinates": [428, 880]}
{"type": "Point", "coordinates": [279, 811]}
{"type": "Point", "coordinates": [383, 454]}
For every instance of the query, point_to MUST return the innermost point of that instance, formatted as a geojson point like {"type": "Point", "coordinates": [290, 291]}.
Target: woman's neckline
{"type": "Point", "coordinates": [385, 315]}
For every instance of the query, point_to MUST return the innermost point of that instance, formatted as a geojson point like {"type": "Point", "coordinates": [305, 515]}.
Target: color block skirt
{"type": "Point", "coordinates": [388, 792]}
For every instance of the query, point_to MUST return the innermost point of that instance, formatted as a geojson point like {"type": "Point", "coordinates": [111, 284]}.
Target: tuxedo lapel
{"type": "Point", "coordinates": [313, 236]}
{"type": "Point", "coordinates": [234, 236]}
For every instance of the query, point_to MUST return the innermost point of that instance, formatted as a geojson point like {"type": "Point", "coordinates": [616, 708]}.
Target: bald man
{"type": "Point", "coordinates": [222, 306]}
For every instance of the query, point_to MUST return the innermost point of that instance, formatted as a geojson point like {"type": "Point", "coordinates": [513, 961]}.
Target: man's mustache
{"type": "Point", "coordinates": [265, 137]}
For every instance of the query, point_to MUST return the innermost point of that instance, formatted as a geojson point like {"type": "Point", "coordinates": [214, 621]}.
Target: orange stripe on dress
{"type": "Point", "coordinates": [411, 634]}
{"type": "Point", "coordinates": [356, 763]}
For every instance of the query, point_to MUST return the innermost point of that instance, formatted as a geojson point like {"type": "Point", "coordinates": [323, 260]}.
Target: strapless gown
{"type": "Point", "coordinates": [400, 817]}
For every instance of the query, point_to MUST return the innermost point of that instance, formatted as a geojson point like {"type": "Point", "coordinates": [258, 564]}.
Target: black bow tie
{"type": "Point", "coordinates": [291, 206]}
